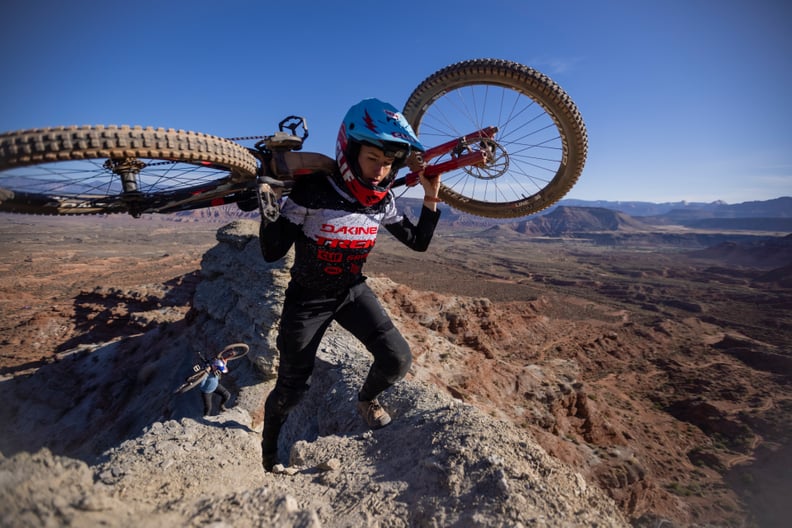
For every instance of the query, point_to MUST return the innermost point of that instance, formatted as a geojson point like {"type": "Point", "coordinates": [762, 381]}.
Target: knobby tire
{"type": "Point", "coordinates": [193, 381]}
{"type": "Point", "coordinates": [540, 148]}
{"type": "Point", "coordinates": [75, 170]}
{"type": "Point", "coordinates": [234, 351]}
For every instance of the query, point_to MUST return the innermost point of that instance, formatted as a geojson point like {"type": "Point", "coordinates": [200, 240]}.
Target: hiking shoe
{"type": "Point", "coordinates": [269, 452]}
{"type": "Point", "coordinates": [268, 460]}
{"type": "Point", "coordinates": [373, 414]}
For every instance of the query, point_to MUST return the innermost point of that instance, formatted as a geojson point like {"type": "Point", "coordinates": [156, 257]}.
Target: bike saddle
{"type": "Point", "coordinates": [281, 141]}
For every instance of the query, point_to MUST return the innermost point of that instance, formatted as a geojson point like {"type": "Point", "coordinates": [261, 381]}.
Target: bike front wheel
{"type": "Point", "coordinates": [234, 351]}
{"type": "Point", "coordinates": [119, 169]}
{"type": "Point", "coordinates": [536, 156]}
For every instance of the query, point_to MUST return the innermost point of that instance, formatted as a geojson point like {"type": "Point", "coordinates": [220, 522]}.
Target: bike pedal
{"type": "Point", "coordinates": [268, 202]}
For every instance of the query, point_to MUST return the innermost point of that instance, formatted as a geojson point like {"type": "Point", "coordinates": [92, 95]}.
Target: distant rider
{"type": "Point", "coordinates": [211, 386]}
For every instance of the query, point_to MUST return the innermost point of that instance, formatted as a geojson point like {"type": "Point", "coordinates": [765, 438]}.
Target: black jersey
{"type": "Point", "coordinates": [333, 233]}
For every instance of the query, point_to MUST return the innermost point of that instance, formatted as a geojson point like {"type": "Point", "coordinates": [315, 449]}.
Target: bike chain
{"type": "Point", "coordinates": [247, 138]}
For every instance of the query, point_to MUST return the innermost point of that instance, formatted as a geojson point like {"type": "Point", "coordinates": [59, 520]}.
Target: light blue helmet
{"type": "Point", "coordinates": [219, 365]}
{"type": "Point", "coordinates": [379, 124]}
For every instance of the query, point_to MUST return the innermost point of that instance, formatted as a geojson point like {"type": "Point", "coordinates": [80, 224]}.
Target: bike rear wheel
{"type": "Point", "coordinates": [538, 152]}
{"type": "Point", "coordinates": [119, 169]}
{"type": "Point", "coordinates": [192, 381]}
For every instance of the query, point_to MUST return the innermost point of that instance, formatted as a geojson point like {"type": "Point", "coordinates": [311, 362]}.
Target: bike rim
{"type": "Point", "coordinates": [527, 152]}
{"type": "Point", "coordinates": [111, 183]}
{"type": "Point", "coordinates": [234, 351]}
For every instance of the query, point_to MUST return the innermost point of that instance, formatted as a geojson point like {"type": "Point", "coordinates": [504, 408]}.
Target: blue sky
{"type": "Point", "coordinates": [683, 99]}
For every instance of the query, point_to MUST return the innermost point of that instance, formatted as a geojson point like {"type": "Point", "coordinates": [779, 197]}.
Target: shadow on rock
{"type": "Point", "coordinates": [98, 396]}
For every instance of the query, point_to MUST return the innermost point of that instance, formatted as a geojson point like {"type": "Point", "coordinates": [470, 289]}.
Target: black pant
{"type": "Point", "coordinates": [207, 398]}
{"type": "Point", "coordinates": [305, 318]}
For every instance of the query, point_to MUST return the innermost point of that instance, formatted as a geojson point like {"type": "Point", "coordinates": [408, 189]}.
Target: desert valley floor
{"type": "Point", "coordinates": [684, 357]}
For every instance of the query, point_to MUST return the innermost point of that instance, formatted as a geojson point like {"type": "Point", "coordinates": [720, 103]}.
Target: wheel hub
{"type": "Point", "coordinates": [128, 169]}
{"type": "Point", "coordinates": [497, 163]}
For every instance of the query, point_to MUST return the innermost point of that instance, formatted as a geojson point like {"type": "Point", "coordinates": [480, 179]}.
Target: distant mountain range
{"type": "Point", "coordinates": [570, 217]}
{"type": "Point", "coordinates": [576, 216]}
{"type": "Point", "coordinates": [749, 233]}
{"type": "Point", "coordinates": [563, 220]}
{"type": "Point", "coordinates": [775, 208]}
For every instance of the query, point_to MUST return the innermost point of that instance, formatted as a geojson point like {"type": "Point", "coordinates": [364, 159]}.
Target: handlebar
{"type": "Point", "coordinates": [292, 123]}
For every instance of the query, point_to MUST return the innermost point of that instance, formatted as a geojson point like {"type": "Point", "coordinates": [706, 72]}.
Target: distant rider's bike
{"type": "Point", "coordinates": [202, 370]}
{"type": "Point", "coordinates": [509, 141]}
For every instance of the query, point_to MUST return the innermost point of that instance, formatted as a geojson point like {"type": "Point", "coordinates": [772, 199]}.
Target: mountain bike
{"type": "Point", "coordinates": [507, 139]}
{"type": "Point", "coordinates": [201, 371]}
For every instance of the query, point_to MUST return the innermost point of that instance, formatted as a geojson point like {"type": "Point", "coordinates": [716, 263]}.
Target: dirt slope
{"type": "Point", "coordinates": [97, 437]}
{"type": "Point", "coordinates": [660, 379]}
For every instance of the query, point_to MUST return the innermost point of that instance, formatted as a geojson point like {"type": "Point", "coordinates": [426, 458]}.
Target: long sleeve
{"type": "Point", "coordinates": [276, 238]}
{"type": "Point", "coordinates": [416, 237]}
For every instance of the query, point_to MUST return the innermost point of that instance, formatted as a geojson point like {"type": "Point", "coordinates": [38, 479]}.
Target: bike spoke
{"type": "Point", "coordinates": [90, 178]}
{"type": "Point", "coordinates": [530, 145]}
{"type": "Point", "coordinates": [536, 153]}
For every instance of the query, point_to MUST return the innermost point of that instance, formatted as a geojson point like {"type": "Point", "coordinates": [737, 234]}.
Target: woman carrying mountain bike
{"type": "Point", "coordinates": [211, 385]}
{"type": "Point", "coordinates": [333, 220]}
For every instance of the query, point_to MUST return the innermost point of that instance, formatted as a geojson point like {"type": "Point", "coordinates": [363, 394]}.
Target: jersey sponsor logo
{"type": "Point", "coordinates": [349, 229]}
{"type": "Point", "coordinates": [334, 243]}
{"type": "Point", "coordinates": [331, 236]}
{"type": "Point", "coordinates": [329, 256]}
{"type": "Point", "coordinates": [333, 270]}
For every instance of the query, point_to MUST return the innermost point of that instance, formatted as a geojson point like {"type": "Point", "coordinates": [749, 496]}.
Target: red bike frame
{"type": "Point", "coordinates": [470, 158]}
